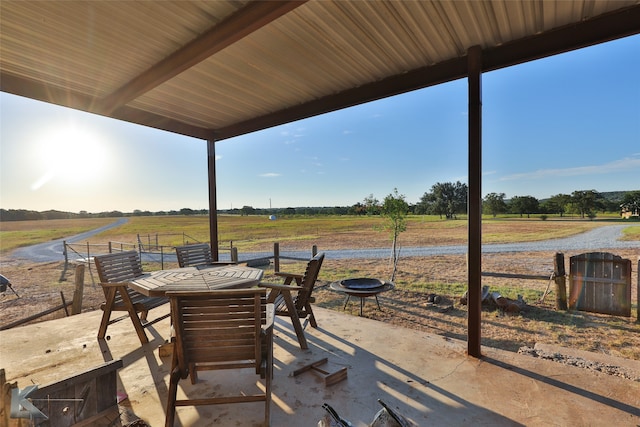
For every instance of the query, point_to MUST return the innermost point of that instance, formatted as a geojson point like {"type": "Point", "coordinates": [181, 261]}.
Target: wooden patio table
{"type": "Point", "coordinates": [196, 279]}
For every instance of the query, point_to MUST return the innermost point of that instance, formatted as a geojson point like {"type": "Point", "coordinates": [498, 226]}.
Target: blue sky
{"type": "Point", "coordinates": [565, 123]}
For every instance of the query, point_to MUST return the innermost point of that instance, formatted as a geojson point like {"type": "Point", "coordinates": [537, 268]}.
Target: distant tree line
{"type": "Point", "coordinates": [26, 215]}
{"type": "Point", "coordinates": [448, 200]}
{"type": "Point", "coordinates": [585, 203]}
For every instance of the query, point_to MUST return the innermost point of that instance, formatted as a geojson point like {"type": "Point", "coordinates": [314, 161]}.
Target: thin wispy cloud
{"type": "Point", "coordinates": [270, 175]}
{"type": "Point", "coordinates": [288, 130]}
{"type": "Point", "coordinates": [621, 165]}
{"type": "Point", "coordinates": [292, 135]}
{"type": "Point", "coordinates": [347, 132]}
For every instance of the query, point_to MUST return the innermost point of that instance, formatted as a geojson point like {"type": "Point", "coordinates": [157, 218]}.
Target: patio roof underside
{"type": "Point", "coordinates": [218, 69]}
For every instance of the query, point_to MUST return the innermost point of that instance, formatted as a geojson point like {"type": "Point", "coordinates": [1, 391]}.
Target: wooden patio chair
{"type": "Point", "coordinates": [299, 307]}
{"type": "Point", "coordinates": [195, 255]}
{"type": "Point", "coordinates": [114, 271]}
{"type": "Point", "coordinates": [223, 329]}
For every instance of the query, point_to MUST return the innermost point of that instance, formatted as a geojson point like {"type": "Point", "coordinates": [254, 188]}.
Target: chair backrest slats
{"type": "Point", "coordinates": [118, 266]}
{"type": "Point", "coordinates": [308, 280]}
{"type": "Point", "coordinates": [193, 255]}
{"type": "Point", "coordinates": [220, 327]}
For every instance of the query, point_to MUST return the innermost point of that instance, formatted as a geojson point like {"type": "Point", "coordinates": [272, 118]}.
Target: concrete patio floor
{"type": "Point", "coordinates": [426, 377]}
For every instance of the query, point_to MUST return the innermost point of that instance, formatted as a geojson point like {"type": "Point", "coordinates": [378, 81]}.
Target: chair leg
{"type": "Point", "coordinates": [106, 314]}
{"type": "Point", "coordinates": [295, 320]}
{"type": "Point", "coordinates": [312, 318]}
{"type": "Point", "coordinates": [193, 373]}
{"type": "Point", "coordinates": [102, 331]}
{"type": "Point", "coordinates": [137, 324]}
{"type": "Point", "coordinates": [268, 378]}
{"type": "Point", "coordinates": [171, 403]}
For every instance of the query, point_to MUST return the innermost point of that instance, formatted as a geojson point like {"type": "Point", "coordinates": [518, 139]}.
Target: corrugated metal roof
{"type": "Point", "coordinates": [215, 69]}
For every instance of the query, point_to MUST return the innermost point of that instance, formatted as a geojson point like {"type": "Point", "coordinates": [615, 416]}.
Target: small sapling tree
{"type": "Point", "coordinates": [394, 210]}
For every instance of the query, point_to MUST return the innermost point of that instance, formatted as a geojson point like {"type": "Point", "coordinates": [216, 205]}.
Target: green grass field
{"type": "Point", "coordinates": [442, 275]}
{"type": "Point", "coordinates": [257, 232]}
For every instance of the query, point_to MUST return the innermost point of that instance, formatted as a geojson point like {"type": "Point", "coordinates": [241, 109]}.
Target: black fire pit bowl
{"type": "Point", "coordinates": [362, 284]}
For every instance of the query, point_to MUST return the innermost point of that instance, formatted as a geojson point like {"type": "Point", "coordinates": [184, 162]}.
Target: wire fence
{"type": "Point", "coordinates": [153, 251]}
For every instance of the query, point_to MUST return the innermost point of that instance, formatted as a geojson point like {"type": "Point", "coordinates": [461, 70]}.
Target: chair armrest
{"type": "Point", "coordinates": [275, 291]}
{"type": "Point", "coordinates": [283, 274]}
{"type": "Point", "coordinates": [114, 285]}
{"type": "Point", "coordinates": [289, 277]}
{"type": "Point", "coordinates": [278, 286]}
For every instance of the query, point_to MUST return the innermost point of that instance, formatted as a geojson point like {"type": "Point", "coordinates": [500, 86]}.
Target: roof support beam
{"type": "Point", "coordinates": [604, 28]}
{"type": "Point", "coordinates": [251, 18]}
{"type": "Point", "coordinates": [39, 91]}
{"type": "Point", "coordinates": [615, 25]}
{"type": "Point", "coordinates": [156, 121]}
{"type": "Point", "coordinates": [474, 255]}
{"type": "Point", "coordinates": [52, 94]}
{"type": "Point", "coordinates": [395, 85]}
{"type": "Point", "coordinates": [213, 200]}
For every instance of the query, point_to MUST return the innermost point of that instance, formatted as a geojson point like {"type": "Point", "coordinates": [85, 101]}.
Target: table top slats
{"type": "Point", "coordinates": [196, 279]}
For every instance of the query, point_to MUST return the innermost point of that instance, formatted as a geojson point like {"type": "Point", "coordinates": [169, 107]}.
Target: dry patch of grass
{"type": "Point", "coordinates": [39, 285]}
{"type": "Point", "coordinates": [15, 234]}
{"type": "Point", "coordinates": [445, 275]}
{"type": "Point", "coordinates": [256, 233]}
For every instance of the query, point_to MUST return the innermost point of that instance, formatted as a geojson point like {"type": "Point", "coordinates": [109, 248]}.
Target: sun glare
{"type": "Point", "coordinates": [71, 154]}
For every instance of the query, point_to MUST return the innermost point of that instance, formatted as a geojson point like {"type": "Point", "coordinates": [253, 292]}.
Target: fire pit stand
{"type": "Point", "coordinates": [361, 287]}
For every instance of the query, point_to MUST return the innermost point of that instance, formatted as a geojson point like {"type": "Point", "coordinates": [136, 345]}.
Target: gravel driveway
{"type": "Point", "coordinates": [606, 237]}
{"type": "Point", "coordinates": [53, 250]}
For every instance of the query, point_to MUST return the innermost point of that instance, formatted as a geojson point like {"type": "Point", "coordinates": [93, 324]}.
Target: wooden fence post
{"type": "Point", "coordinates": [560, 280]}
{"type": "Point", "coordinates": [66, 259]}
{"type": "Point", "coordinates": [234, 254]}
{"type": "Point", "coordinates": [276, 257]}
{"type": "Point", "coordinates": [314, 250]}
{"type": "Point", "coordinates": [76, 307]}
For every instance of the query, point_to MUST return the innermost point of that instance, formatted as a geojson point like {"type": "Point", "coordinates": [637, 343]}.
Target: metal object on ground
{"type": "Point", "coordinates": [4, 282]}
{"type": "Point", "coordinates": [397, 420]}
{"type": "Point", "coordinates": [337, 418]}
{"type": "Point", "coordinates": [361, 287]}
